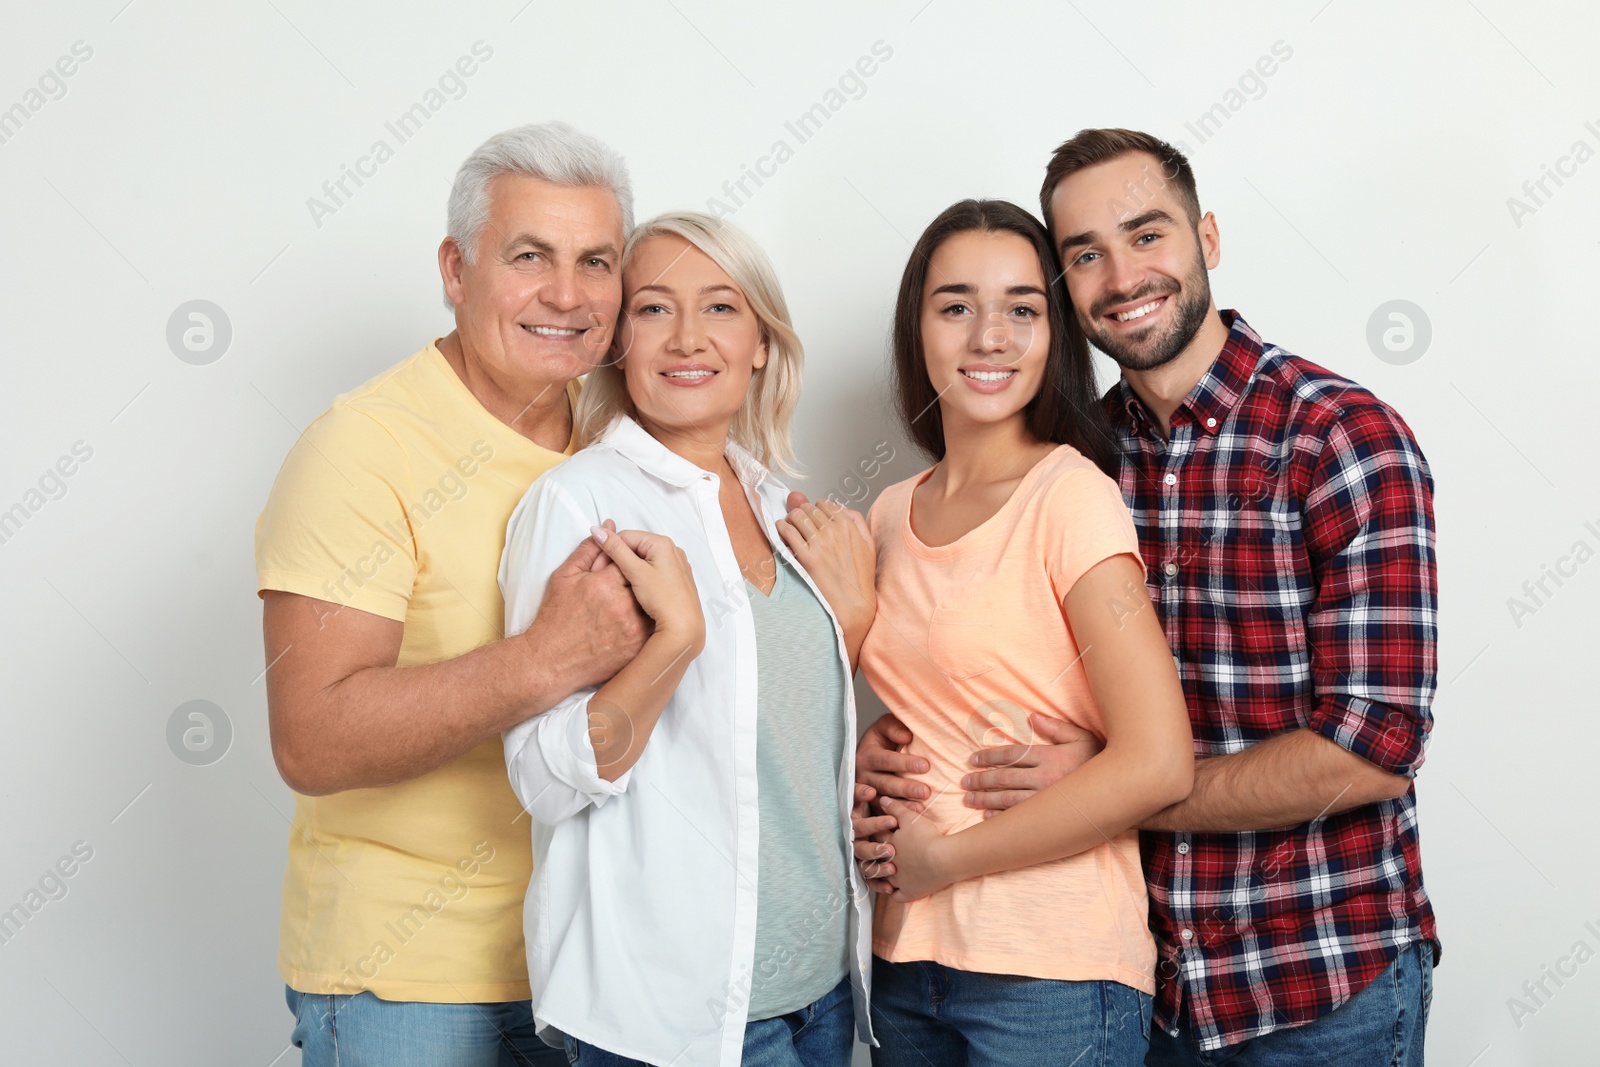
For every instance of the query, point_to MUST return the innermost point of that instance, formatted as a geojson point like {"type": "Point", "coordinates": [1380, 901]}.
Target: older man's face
{"type": "Point", "coordinates": [540, 302]}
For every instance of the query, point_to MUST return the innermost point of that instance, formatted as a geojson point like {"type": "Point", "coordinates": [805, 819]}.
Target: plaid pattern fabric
{"type": "Point", "coordinates": [1288, 530]}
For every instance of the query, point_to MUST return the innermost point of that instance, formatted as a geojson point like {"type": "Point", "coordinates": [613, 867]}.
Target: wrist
{"type": "Point", "coordinates": [951, 859]}
{"type": "Point", "coordinates": [673, 644]}
{"type": "Point", "coordinates": [538, 667]}
{"type": "Point", "coordinates": [857, 618]}
{"type": "Point", "coordinates": [1162, 821]}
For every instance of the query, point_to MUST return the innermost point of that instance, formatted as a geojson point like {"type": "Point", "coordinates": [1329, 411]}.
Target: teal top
{"type": "Point", "coordinates": [803, 892]}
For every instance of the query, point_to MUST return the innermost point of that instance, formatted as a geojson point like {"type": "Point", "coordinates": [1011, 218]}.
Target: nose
{"type": "Point", "coordinates": [1125, 275]}
{"type": "Point", "coordinates": [687, 336]}
{"type": "Point", "coordinates": [561, 291]}
{"type": "Point", "coordinates": [995, 337]}
{"type": "Point", "coordinates": [1000, 333]}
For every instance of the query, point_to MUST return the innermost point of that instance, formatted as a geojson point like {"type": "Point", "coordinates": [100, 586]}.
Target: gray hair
{"type": "Point", "coordinates": [550, 151]}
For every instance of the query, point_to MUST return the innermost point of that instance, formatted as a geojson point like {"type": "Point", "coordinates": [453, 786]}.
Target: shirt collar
{"type": "Point", "coordinates": [1219, 389]}
{"type": "Point", "coordinates": [651, 456]}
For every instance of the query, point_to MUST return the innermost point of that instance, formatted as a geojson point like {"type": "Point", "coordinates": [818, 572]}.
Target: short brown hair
{"type": "Point", "coordinates": [1066, 409]}
{"type": "Point", "coordinates": [1089, 147]}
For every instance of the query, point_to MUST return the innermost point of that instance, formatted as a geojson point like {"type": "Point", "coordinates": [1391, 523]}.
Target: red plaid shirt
{"type": "Point", "coordinates": [1288, 530]}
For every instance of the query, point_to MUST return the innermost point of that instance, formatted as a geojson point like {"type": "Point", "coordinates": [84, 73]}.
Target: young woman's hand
{"type": "Point", "coordinates": [921, 853]}
{"type": "Point", "coordinates": [658, 572]}
{"type": "Point", "coordinates": [834, 546]}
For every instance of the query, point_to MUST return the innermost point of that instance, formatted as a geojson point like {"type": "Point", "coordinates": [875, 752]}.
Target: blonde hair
{"type": "Point", "coordinates": [761, 426]}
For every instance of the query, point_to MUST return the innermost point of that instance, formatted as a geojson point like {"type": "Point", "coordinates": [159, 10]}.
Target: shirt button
{"type": "Point", "coordinates": [1211, 424]}
{"type": "Point", "coordinates": [1170, 569]}
{"type": "Point", "coordinates": [1171, 479]}
{"type": "Point", "coordinates": [1183, 848]}
{"type": "Point", "coordinates": [1188, 935]}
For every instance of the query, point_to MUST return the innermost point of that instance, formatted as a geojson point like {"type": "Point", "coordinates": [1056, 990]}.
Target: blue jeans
{"type": "Point", "coordinates": [359, 1030]}
{"type": "Point", "coordinates": [1381, 1026]}
{"type": "Point", "coordinates": [928, 1015]}
{"type": "Point", "coordinates": [819, 1035]}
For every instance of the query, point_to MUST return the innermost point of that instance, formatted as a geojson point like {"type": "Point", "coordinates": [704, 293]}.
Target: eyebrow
{"type": "Point", "coordinates": [539, 244]}
{"type": "Point", "coordinates": [703, 290]}
{"type": "Point", "coordinates": [967, 289]}
{"type": "Point", "coordinates": [1126, 226]}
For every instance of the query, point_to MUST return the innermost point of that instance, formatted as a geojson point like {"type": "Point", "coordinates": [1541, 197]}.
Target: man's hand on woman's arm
{"type": "Point", "coordinates": [343, 716]}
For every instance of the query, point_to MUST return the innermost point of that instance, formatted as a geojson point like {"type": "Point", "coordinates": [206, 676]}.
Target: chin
{"type": "Point", "coordinates": [563, 367]}
{"type": "Point", "coordinates": [986, 414]}
{"type": "Point", "coordinates": [706, 414]}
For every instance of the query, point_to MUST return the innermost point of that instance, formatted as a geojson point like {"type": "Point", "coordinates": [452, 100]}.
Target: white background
{"type": "Point", "coordinates": [1376, 165]}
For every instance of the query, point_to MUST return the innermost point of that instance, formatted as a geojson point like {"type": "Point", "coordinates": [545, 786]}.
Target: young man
{"type": "Point", "coordinates": [388, 681]}
{"type": "Point", "coordinates": [1285, 517]}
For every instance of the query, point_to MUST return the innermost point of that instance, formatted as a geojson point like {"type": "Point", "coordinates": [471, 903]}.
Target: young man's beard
{"type": "Point", "coordinates": [1192, 301]}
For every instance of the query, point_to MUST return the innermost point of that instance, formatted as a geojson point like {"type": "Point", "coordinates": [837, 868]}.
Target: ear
{"type": "Point", "coordinates": [762, 353]}
{"type": "Point", "coordinates": [451, 263]}
{"type": "Point", "coordinates": [1210, 240]}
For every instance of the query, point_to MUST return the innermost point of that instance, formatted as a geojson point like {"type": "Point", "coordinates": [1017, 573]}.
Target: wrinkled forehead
{"type": "Point", "coordinates": [569, 216]}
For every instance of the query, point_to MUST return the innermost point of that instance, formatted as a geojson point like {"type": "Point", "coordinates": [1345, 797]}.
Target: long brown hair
{"type": "Point", "coordinates": [1066, 410]}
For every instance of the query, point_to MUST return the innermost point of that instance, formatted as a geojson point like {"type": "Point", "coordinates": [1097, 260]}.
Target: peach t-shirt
{"type": "Point", "coordinates": [970, 637]}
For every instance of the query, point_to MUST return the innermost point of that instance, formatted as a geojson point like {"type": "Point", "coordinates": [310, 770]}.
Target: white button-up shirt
{"type": "Point", "coordinates": [641, 918]}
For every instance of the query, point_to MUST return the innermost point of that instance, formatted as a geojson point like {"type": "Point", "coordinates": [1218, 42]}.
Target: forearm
{"type": "Point", "coordinates": [1283, 781]}
{"type": "Point", "coordinates": [855, 634]}
{"type": "Point", "coordinates": [1112, 792]}
{"type": "Point", "coordinates": [384, 724]}
{"type": "Point", "coordinates": [624, 712]}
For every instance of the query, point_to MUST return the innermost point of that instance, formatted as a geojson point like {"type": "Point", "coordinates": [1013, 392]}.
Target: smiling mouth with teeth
{"type": "Point", "coordinates": [1139, 312]}
{"type": "Point", "coordinates": [989, 375]}
{"type": "Point", "coordinates": [690, 373]}
{"type": "Point", "coordinates": [554, 331]}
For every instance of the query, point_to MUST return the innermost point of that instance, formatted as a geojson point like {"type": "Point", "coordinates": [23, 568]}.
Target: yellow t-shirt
{"type": "Point", "coordinates": [395, 502]}
{"type": "Point", "coordinates": [969, 638]}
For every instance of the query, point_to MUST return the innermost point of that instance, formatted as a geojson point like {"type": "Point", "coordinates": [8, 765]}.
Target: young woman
{"type": "Point", "coordinates": [1010, 583]}
{"type": "Point", "coordinates": [694, 900]}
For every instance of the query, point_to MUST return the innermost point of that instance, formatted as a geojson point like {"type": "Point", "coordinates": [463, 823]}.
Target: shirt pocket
{"type": "Point", "coordinates": [962, 638]}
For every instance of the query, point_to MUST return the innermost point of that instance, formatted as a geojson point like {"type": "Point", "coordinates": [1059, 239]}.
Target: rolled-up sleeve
{"type": "Point", "coordinates": [550, 756]}
{"type": "Point", "coordinates": [550, 759]}
{"type": "Point", "coordinates": [1373, 624]}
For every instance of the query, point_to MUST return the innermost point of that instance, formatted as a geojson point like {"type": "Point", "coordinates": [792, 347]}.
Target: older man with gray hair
{"type": "Point", "coordinates": [389, 680]}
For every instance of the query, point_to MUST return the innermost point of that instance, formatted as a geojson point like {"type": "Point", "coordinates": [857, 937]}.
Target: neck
{"type": "Point", "coordinates": [1163, 388]}
{"type": "Point", "coordinates": [536, 409]}
{"type": "Point", "coordinates": [704, 446]}
{"type": "Point", "coordinates": [979, 452]}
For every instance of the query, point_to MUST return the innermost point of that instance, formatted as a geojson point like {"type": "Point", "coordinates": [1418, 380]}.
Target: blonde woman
{"type": "Point", "coordinates": [694, 901]}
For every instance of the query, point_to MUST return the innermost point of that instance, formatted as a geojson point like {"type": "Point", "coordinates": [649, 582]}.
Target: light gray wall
{"type": "Point", "coordinates": [1375, 164]}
